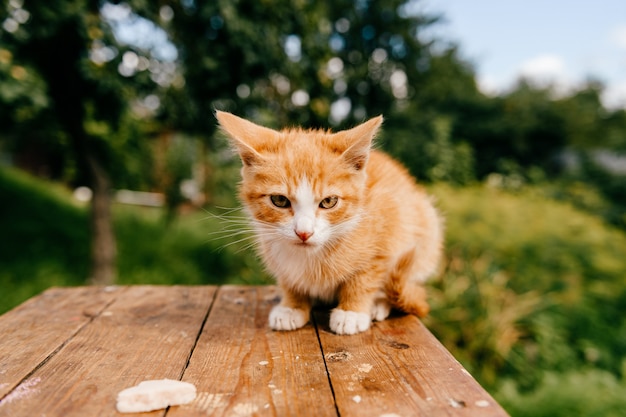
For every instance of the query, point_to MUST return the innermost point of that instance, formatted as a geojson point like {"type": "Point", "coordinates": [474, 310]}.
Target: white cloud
{"type": "Point", "coordinates": [548, 66]}
{"type": "Point", "coordinates": [614, 97]}
{"type": "Point", "coordinates": [548, 70]}
{"type": "Point", "coordinates": [491, 85]}
{"type": "Point", "coordinates": [619, 36]}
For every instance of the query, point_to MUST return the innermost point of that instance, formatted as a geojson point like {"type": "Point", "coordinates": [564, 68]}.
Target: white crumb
{"type": "Point", "coordinates": [356, 399]}
{"type": "Point", "coordinates": [155, 395]}
{"type": "Point", "coordinates": [365, 367]}
{"type": "Point", "coordinates": [264, 363]}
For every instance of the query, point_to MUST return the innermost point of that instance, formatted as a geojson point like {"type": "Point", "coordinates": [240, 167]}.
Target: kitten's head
{"type": "Point", "coordinates": [302, 188]}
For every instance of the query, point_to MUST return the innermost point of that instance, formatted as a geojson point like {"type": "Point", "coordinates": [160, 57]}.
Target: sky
{"type": "Point", "coordinates": [560, 41]}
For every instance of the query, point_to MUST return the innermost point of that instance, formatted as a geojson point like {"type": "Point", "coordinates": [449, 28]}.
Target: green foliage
{"type": "Point", "coordinates": [182, 252]}
{"type": "Point", "coordinates": [45, 242]}
{"type": "Point", "coordinates": [179, 162]}
{"type": "Point", "coordinates": [479, 316]}
{"type": "Point", "coordinates": [44, 238]}
{"type": "Point", "coordinates": [611, 185]}
{"type": "Point", "coordinates": [584, 392]}
{"type": "Point", "coordinates": [22, 91]}
{"type": "Point", "coordinates": [524, 128]}
{"type": "Point", "coordinates": [431, 155]}
{"type": "Point", "coordinates": [530, 285]}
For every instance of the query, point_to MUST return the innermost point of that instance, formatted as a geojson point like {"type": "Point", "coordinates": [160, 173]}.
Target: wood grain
{"type": "Point", "coordinates": [35, 330]}
{"type": "Point", "coordinates": [399, 368]}
{"type": "Point", "coordinates": [242, 368]}
{"type": "Point", "coordinates": [147, 333]}
{"type": "Point", "coordinates": [68, 352]}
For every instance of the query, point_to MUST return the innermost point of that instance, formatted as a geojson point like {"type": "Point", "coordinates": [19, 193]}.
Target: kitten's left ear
{"type": "Point", "coordinates": [359, 142]}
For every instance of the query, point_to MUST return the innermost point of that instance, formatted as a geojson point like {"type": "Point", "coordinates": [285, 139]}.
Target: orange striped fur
{"type": "Point", "coordinates": [336, 221]}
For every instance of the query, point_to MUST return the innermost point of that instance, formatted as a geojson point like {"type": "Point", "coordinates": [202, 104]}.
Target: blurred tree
{"type": "Point", "coordinates": [513, 133]}
{"type": "Point", "coordinates": [222, 54]}
{"type": "Point", "coordinates": [23, 95]}
{"type": "Point", "coordinates": [597, 142]}
{"type": "Point", "coordinates": [222, 50]}
{"type": "Point", "coordinates": [61, 98]}
{"type": "Point", "coordinates": [584, 115]}
{"type": "Point", "coordinates": [430, 135]}
{"type": "Point", "coordinates": [314, 64]}
{"type": "Point", "coordinates": [289, 61]}
{"type": "Point", "coordinates": [54, 41]}
{"type": "Point", "coordinates": [347, 61]}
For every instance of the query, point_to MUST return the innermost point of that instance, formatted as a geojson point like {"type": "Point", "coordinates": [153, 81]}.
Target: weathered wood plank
{"type": "Point", "coordinates": [33, 331]}
{"type": "Point", "coordinates": [399, 368]}
{"type": "Point", "coordinates": [70, 351]}
{"type": "Point", "coordinates": [242, 368]}
{"type": "Point", "coordinates": [147, 333]}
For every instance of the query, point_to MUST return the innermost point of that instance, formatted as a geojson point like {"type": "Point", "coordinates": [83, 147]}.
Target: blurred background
{"type": "Point", "coordinates": [112, 172]}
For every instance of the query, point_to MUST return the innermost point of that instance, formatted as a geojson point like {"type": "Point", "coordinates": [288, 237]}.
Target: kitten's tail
{"type": "Point", "coordinates": [403, 293]}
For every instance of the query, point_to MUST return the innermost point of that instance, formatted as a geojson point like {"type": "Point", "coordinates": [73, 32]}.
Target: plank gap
{"type": "Point", "coordinates": [195, 343]}
{"type": "Point", "coordinates": [319, 341]}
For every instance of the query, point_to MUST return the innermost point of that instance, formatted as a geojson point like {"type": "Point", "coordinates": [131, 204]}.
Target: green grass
{"type": "Point", "coordinates": [182, 252]}
{"type": "Point", "coordinates": [45, 242]}
{"type": "Point", "coordinates": [583, 392]}
{"type": "Point", "coordinates": [44, 238]}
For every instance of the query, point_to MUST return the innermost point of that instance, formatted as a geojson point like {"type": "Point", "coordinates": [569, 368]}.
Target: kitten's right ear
{"type": "Point", "coordinates": [244, 135]}
{"type": "Point", "coordinates": [359, 141]}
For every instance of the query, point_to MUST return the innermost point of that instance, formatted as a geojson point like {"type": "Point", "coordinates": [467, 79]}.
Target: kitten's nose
{"type": "Point", "coordinates": [304, 226]}
{"type": "Point", "coordinates": [304, 236]}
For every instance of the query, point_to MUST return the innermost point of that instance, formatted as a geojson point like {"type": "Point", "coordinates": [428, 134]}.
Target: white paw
{"type": "Point", "coordinates": [349, 322]}
{"type": "Point", "coordinates": [285, 318]}
{"type": "Point", "coordinates": [381, 309]}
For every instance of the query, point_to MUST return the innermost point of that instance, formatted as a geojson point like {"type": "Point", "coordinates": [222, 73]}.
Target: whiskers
{"type": "Point", "coordinates": [233, 228]}
{"type": "Point", "coordinates": [236, 229]}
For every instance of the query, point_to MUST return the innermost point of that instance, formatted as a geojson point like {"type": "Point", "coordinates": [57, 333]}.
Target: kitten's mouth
{"type": "Point", "coordinates": [304, 244]}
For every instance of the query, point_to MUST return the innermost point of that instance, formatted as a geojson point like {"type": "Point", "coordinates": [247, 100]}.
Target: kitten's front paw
{"type": "Point", "coordinates": [349, 322]}
{"type": "Point", "coordinates": [285, 318]}
{"type": "Point", "coordinates": [381, 309]}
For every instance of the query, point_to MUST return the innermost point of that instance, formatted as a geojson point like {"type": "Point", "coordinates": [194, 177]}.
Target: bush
{"type": "Point", "coordinates": [530, 285]}
{"type": "Point", "coordinates": [590, 393]}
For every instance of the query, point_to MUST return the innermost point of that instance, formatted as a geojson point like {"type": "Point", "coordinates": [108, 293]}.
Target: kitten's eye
{"type": "Point", "coordinates": [329, 202]}
{"type": "Point", "coordinates": [280, 201]}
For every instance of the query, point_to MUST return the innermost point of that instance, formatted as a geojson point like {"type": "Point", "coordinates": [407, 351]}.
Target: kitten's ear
{"type": "Point", "coordinates": [244, 135]}
{"type": "Point", "coordinates": [358, 142]}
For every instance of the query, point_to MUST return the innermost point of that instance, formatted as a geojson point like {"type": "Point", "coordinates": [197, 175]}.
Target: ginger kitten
{"type": "Point", "coordinates": [335, 221]}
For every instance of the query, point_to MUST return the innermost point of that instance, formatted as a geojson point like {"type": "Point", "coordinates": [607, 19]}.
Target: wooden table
{"type": "Point", "coordinates": [69, 351]}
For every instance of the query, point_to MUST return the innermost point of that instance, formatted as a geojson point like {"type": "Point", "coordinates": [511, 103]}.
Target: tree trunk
{"type": "Point", "coordinates": [103, 244]}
